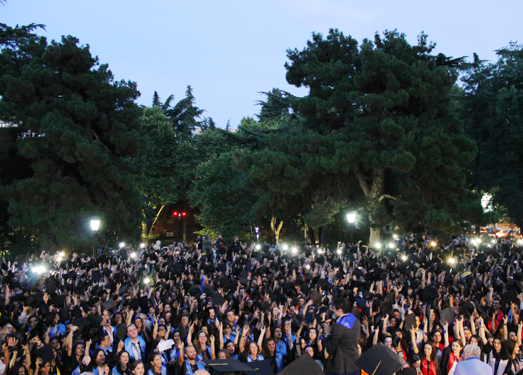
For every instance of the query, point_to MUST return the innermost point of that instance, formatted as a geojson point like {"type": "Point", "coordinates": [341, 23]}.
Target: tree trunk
{"type": "Point", "coordinates": [375, 236]}
{"type": "Point", "coordinates": [156, 218]}
{"type": "Point", "coordinates": [373, 189]}
{"type": "Point", "coordinates": [276, 228]}
{"type": "Point", "coordinates": [323, 233]}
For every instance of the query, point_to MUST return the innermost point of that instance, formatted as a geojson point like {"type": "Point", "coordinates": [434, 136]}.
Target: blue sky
{"type": "Point", "coordinates": [228, 51]}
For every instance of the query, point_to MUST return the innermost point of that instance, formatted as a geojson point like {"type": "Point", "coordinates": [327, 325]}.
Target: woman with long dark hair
{"type": "Point", "coordinates": [122, 363]}
{"type": "Point", "coordinates": [156, 366]}
{"type": "Point", "coordinates": [497, 355]}
{"type": "Point", "coordinates": [429, 360]}
{"type": "Point", "coordinates": [269, 353]}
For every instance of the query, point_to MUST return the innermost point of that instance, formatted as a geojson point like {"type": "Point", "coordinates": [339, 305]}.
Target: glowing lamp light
{"type": "Point", "coordinates": [61, 254]}
{"type": "Point", "coordinates": [433, 243]}
{"type": "Point", "coordinates": [351, 217]}
{"type": "Point", "coordinates": [258, 247]}
{"type": "Point", "coordinates": [307, 266]}
{"type": "Point", "coordinates": [38, 269]}
{"type": "Point", "coordinates": [95, 224]}
{"type": "Point", "coordinates": [377, 245]}
{"type": "Point", "coordinates": [338, 251]}
{"type": "Point", "coordinates": [404, 257]}
{"type": "Point", "coordinates": [294, 250]}
{"type": "Point", "coordinates": [452, 260]}
{"type": "Point", "coordinates": [494, 241]}
{"type": "Point", "coordinates": [395, 236]}
{"type": "Point", "coordinates": [321, 251]}
{"type": "Point", "coordinates": [391, 245]}
{"type": "Point", "coordinates": [142, 246]}
{"type": "Point", "coordinates": [133, 255]}
{"type": "Point", "coordinates": [146, 280]}
{"type": "Point", "coordinates": [285, 247]}
{"type": "Point", "coordinates": [520, 242]}
{"type": "Point", "coordinates": [122, 244]}
{"type": "Point", "coordinates": [478, 240]}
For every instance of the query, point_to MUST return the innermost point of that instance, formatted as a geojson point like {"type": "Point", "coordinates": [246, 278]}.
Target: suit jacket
{"type": "Point", "coordinates": [342, 345]}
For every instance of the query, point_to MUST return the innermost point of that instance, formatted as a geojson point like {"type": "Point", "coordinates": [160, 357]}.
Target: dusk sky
{"type": "Point", "coordinates": [229, 51]}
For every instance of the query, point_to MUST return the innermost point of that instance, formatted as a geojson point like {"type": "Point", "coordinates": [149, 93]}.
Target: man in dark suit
{"type": "Point", "coordinates": [342, 340]}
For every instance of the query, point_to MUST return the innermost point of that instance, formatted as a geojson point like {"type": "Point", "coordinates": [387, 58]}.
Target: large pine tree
{"type": "Point", "coordinates": [78, 129]}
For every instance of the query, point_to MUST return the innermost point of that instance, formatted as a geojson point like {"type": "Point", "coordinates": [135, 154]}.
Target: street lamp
{"type": "Point", "coordinates": [95, 225]}
{"type": "Point", "coordinates": [351, 218]}
{"type": "Point", "coordinates": [122, 244]}
{"type": "Point", "coordinates": [142, 246]}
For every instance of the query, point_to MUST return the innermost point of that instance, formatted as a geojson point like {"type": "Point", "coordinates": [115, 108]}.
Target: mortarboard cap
{"type": "Point", "coordinates": [410, 321]}
{"type": "Point", "coordinates": [46, 353]}
{"type": "Point", "coordinates": [109, 304]}
{"type": "Point", "coordinates": [217, 299]}
{"type": "Point", "coordinates": [304, 365]}
{"type": "Point", "coordinates": [380, 360]}
{"type": "Point", "coordinates": [447, 315]}
{"type": "Point", "coordinates": [219, 366]}
{"type": "Point", "coordinates": [260, 368]}
{"type": "Point", "coordinates": [121, 332]}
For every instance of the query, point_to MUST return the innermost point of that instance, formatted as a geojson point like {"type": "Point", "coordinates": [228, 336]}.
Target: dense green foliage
{"type": "Point", "coordinates": [376, 129]}
{"type": "Point", "coordinates": [493, 113]}
{"type": "Point", "coordinates": [76, 130]}
{"type": "Point", "coordinates": [379, 132]}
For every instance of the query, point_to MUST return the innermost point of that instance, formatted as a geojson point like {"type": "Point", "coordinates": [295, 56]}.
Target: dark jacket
{"type": "Point", "coordinates": [342, 345]}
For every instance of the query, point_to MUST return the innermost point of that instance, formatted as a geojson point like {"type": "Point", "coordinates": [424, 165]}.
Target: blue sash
{"type": "Point", "coordinates": [347, 321]}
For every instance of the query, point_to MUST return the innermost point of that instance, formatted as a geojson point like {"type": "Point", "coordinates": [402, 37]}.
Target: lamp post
{"type": "Point", "coordinates": [95, 224]}
{"type": "Point", "coordinates": [351, 218]}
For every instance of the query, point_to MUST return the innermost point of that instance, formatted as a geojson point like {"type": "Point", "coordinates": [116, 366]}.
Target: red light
{"type": "Point", "coordinates": [175, 213]}
{"type": "Point", "coordinates": [183, 213]}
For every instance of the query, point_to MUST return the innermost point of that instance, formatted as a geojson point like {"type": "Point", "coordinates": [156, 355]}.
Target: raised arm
{"type": "Point", "coordinates": [260, 339]}
{"type": "Point", "coordinates": [413, 340]}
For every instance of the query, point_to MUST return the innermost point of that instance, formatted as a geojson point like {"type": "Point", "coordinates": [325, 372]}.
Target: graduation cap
{"type": "Point", "coordinates": [123, 289]}
{"type": "Point", "coordinates": [222, 268]}
{"type": "Point", "coordinates": [81, 323]}
{"type": "Point", "coordinates": [304, 365]}
{"type": "Point", "coordinates": [260, 368]}
{"type": "Point", "coordinates": [57, 301]}
{"type": "Point", "coordinates": [410, 321]}
{"type": "Point", "coordinates": [219, 366]}
{"type": "Point", "coordinates": [121, 332]}
{"type": "Point", "coordinates": [244, 273]}
{"type": "Point", "coordinates": [380, 360]}
{"type": "Point", "coordinates": [509, 297]}
{"type": "Point", "coordinates": [429, 294]}
{"type": "Point", "coordinates": [447, 315]}
{"type": "Point", "coordinates": [46, 353]}
{"type": "Point", "coordinates": [217, 299]}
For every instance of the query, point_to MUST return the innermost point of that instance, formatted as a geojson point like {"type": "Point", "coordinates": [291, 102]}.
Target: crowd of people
{"type": "Point", "coordinates": [166, 310]}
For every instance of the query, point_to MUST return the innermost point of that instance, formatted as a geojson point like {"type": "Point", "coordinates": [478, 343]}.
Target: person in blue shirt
{"type": "Point", "coordinates": [156, 365]}
{"type": "Point", "coordinates": [269, 353]}
{"type": "Point", "coordinates": [122, 364]}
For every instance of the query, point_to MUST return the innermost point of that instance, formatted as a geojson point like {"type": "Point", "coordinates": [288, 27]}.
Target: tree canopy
{"type": "Point", "coordinates": [376, 128]}
{"type": "Point", "coordinates": [493, 112]}
{"type": "Point", "coordinates": [77, 129]}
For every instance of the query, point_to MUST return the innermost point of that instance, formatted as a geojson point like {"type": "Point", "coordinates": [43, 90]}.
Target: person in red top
{"type": "Point", "coordinates": [451, 357]}
{"type": "Point", "coordinates": [429, 361]}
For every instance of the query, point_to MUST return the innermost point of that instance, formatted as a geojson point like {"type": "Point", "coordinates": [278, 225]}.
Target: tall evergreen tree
{"type": "Point", "coordinates": [493, 112]}
{"type": "Point", "coordinates": [79, 130]}
{"type": "Point", "coordinates": [376, 127]}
